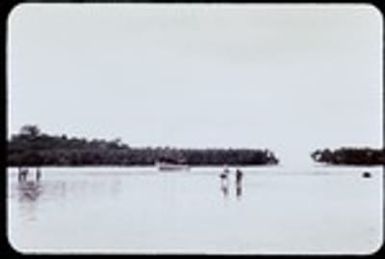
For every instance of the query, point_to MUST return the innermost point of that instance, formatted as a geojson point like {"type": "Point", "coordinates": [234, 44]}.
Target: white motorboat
{"type": "Point", "coordinates": [167, 166]}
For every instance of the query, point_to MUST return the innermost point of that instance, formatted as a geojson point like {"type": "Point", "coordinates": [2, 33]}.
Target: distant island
{"type": "Point", "coordinates": [350, 156]}
{"type": "Point", "coordinates": [31, 147]}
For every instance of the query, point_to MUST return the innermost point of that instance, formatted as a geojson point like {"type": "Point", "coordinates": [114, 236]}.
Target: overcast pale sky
{"type": "Point", "coordinates": [291, 77]}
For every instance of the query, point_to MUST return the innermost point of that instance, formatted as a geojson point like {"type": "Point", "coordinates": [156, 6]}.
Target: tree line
{"type": "Point", "coordinates": [31, 147]}
{"type": "Point", "coordinates": [350, 156]}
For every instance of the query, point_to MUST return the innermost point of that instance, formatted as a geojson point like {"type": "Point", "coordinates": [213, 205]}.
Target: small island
{"type": "Point", "coordinates": [31, 147]}
{"type": "Point", "coordinates": [350, 156]}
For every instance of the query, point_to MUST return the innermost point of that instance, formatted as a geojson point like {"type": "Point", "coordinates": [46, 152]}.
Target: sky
{"type": "Point", "coordinates": [288, 77]}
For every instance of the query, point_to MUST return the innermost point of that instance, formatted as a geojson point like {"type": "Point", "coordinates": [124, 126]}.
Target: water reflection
{"type": "Point", "coordinates": [239, 191]}
{"type": "Point", "coordinates": [33, 192]}
{"type": "Point", "coordinates": [33, 188]}
{"type": "Point", "coordinates": [28, 193]}
{"type": "Point", "coordinates": [29, 190]}
{"type": "Point", "coordinates": [71, 209]}
{"type": "Point", "coordinates": [225, 188]}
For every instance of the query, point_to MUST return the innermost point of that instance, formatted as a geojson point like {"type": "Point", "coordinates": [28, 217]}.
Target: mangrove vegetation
{"type": "Point", "coordinates": [350, 156]}
{"type": "Point", "coordinates": [31, 147]}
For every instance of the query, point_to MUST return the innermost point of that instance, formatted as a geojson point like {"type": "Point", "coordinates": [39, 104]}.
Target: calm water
{"type": "Point", "coordinates": [141, 210]}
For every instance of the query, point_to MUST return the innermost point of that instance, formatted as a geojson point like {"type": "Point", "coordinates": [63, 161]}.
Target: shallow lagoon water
{"type": "Point", "coordinates": [317, 210]}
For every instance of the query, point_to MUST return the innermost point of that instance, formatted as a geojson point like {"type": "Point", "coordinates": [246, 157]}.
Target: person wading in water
{"type": "Point", "coordinates": [238, 181]}
{"type": "Point", "coordinates": [38, 174]}
{"type": "Point", "coordinates": [22, 175]}
{"type": "Point", "coordinates": [225, 180]}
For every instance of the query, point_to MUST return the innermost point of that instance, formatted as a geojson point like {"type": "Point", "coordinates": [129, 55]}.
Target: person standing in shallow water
{"type": "Point", "coordinates": [22, 175]}
{"type": "Point", "coordinates": [225, 180]}
{"type": "Point", "coordinates": [238, 181]}
{"type": "Point", "coordinates": [238, 176]}
{"type": "Point", "coordinates": [38, 174]}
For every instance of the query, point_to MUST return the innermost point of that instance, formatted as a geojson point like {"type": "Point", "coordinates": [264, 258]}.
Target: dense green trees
{"type": "Point", "coordinates": [33, 148]}
{"type": "Point", "coordinates": [350, 156]}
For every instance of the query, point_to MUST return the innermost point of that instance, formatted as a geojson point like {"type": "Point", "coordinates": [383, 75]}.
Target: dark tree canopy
{"type": "Point", "coordinates": [32, 148]}
{"type": "Point", "coordinates": [350, 156]}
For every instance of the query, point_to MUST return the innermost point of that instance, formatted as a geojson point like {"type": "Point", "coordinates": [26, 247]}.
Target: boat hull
{"type": "Point", "coordinates": [171, 167]}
